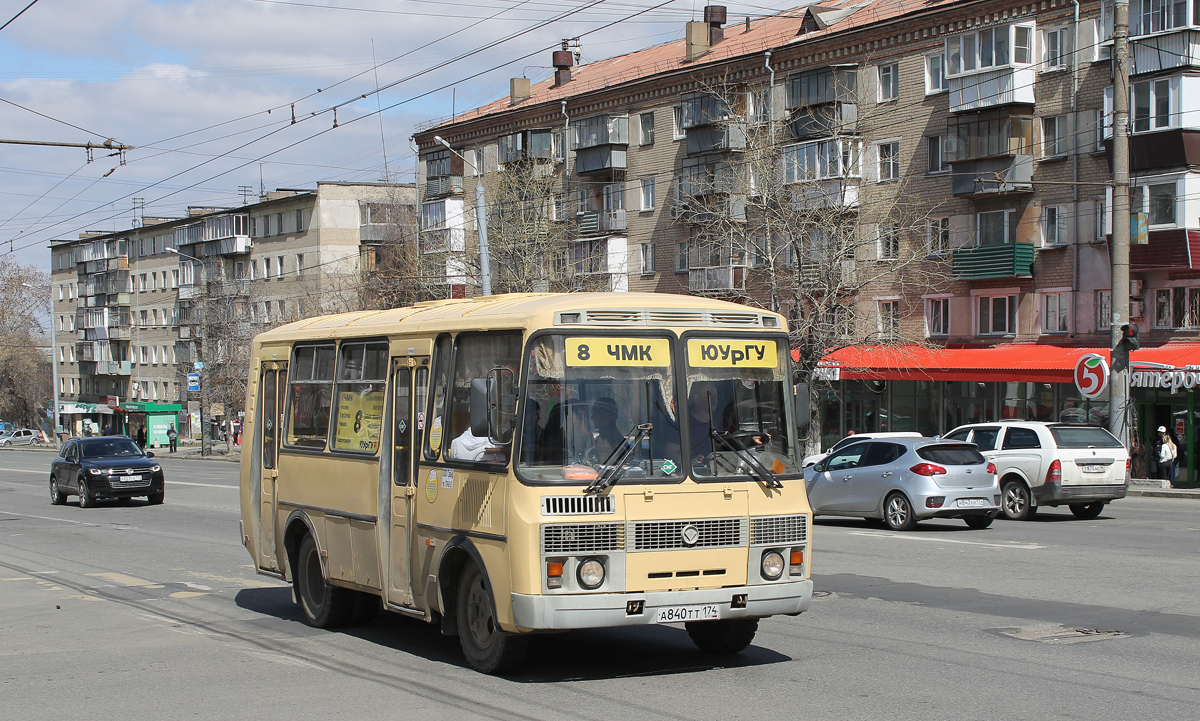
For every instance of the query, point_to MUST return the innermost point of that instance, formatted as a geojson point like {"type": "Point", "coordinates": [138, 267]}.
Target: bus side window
{"type": "Point", "coordinates": [436, 421]}
{"type": "Point", "coordinates": [477, 355]}
{"type": "Point", "coordinates": [310, 396]}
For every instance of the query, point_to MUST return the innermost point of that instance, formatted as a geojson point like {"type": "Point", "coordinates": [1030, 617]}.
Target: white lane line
{"type": "Point", "coordinates": [202, 485]}
{"type": "Point", "coordinates": [18, 470]}
{"type": "Point", "coordinates": [47, 518]}
{"type": "Point", "coordinates": [937, 539]}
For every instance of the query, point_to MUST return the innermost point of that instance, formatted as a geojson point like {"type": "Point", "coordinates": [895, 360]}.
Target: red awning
{"type": "Point", "coordinates": [1010, 362]}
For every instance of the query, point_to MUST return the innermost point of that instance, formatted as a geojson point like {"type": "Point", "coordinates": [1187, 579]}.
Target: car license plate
{"type": "Point", "coordinates": [1092, 469]}
{"type": "Point", "coordinates": [130, 479]}
{"type": "Point", "coordinates": [972, 503]}
{"type": "Point", "coordinates": [676, 614]}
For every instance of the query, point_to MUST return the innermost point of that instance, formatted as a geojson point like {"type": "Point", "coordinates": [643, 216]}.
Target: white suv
{"type": "Point", "coordinates": [1051, 464]}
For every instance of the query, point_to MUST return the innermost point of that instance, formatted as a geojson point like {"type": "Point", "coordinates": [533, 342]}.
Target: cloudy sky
{"type": "Point", "coordinates": [204, 91]}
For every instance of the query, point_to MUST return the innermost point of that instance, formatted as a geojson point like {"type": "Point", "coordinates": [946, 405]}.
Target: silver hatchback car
{"type": "Point", "coordinates": [905, 480]}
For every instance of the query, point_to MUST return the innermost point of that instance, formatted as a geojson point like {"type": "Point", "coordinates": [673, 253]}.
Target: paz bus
{"type": "Point", "coordinates": [524, 463]}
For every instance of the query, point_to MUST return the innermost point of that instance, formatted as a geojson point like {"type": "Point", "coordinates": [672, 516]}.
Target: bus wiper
{"type": "Point", "coordinates": [756, 467]}
{"type": "Point", "coordinates": [614, 466]}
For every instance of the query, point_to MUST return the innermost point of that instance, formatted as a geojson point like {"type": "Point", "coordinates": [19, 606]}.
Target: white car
{"type": "Point", "coordinates": [818, 457]}
{"type": "Point", "coordinates": [19, 437]}
{"type": "Point", "coordinates": [1051, 464]}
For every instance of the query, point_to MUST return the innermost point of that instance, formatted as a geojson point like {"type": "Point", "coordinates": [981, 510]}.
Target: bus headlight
{"type": "Point", "coordinates": [591, 573]}
{"type": "Point", "coordinates": [772, 565]}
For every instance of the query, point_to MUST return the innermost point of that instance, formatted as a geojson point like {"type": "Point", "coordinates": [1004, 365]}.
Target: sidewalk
{"type": "Point", "coordinates": [1153, 488]}
{"type": "Point", "coordinates": [192, 452]}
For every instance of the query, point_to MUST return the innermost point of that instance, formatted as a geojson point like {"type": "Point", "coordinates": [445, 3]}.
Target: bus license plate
{"type": "Point", "coordinates": [971, 503]}
{"type": "Point", "coordinates": [1093, 469]}
{"type": "Point", "coordinates": [676, 614]}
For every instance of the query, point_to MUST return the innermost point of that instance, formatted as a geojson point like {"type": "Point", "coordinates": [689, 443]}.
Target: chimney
{"type": "Point", "coordinates": [563, 60]}
{"type": "Point", "coordinates": [696, 39]}
{"type": "Point", "coordinates": [715, 16]}
{"type": "Point", "coordinates": [518, 90]}
{"type": "Point", "coordinates": [700, 36]}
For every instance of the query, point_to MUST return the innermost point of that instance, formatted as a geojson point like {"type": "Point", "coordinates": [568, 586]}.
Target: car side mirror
{"type": "Point", "coordinates": [819, 467]}
{"type": "Point", "coordinates": [149, 454]}
{"type": "Point", "coordinates": [479, 407]}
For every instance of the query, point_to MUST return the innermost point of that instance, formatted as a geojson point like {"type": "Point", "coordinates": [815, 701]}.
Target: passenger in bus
{"type": "Point", "coordinates": [703, 418]}
{"type": "Point", "coordinates": [567, 435]}
{"type": "Point", "coordinates": [604, 419]}
{"type": "Point", "coordinates": [468, 447]}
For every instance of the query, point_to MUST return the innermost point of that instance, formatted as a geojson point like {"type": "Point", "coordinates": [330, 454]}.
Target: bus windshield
{"type": "Point", "coordinates": [586, 397]}
{"type": "Point", "coordinates": [737, 414]}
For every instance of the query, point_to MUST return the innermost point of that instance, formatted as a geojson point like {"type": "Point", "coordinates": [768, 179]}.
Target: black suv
{"type": "Point", "coordinates": [105, 467]}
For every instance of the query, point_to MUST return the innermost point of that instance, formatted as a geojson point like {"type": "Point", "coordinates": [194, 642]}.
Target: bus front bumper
{"type": "Point", "coordinates": [599, 610]}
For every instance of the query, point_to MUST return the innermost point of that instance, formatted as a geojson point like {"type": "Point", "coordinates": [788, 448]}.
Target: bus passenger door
{"type": "Point", "coordinates": [409, 381]}
{"type": "Point", "coordinates": [274, 384]}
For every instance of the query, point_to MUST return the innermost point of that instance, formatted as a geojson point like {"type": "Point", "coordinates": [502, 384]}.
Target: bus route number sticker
{"type": "Point", "coordinates": [655, 352]}
{"type": "Point", "coordinates": [431, 486]}
{"type": "Point", "coordinates": [719, 353]}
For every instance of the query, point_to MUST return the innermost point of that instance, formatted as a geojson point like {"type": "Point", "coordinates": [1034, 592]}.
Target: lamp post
{"type": "Point", "coordinates": [53, 357]}
{"type": "Point", "coordinates": [205, 429]}
{"type": "Point", "coordinates": [485, 261]}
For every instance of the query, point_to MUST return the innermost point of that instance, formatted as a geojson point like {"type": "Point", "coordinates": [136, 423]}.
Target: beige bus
{"type": "Point", "coordinates": [526, 463]}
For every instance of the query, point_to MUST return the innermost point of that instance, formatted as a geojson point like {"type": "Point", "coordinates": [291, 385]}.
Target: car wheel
{"type": "Point", "coordinates": [8, 444]}
{"type": "Point", "coordinates": [155, 499]}
{"type": "Point", "coordinates": [57, 497]}
{"type": "Point", "coordinates": [486, 647]}
{"type": "Point", "coordinates": [85, 496]}
{"type": "Point", "coordinates": [325, 606]}
{"type": "Point", "coordinates": [1087, 510]}
{"type": "Point", "coordinates": [898, 513]}
{"type": "Point", "coordinates": [1015, 501]}
{"type": "Point", "coordinates": [978, 523]}
{"type": "Point", "coordinates": [724, 637]}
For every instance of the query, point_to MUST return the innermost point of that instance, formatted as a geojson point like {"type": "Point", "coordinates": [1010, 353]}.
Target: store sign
{"type": "Point", "coordinates": [1091, 375]}
{"type": "Point", "coordinates": [1171, 379]}
{"type": "Point", "coordinates": [112, 401]}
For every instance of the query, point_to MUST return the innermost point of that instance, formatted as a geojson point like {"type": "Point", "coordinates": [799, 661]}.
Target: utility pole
{"type": "Point", "coordinates": [1118, 407]}
{"type": "Point", "coordinates": [198, 345]}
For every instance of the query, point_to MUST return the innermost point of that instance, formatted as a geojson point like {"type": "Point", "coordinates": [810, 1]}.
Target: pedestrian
{"type": "Point", "coordinates": [141, 436]}
{"type": "Point", "coordinates": [1167, 453]}
{"type": "Point", "coordinates": [172, 436]}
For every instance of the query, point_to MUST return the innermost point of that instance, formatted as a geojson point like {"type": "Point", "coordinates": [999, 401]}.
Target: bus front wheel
{"type": "Point", "coordinates": [325, 606]}
{"type": "Point", "coordinates": [724, 637]}
{"type": "Point", "coordinates": [486, 647]}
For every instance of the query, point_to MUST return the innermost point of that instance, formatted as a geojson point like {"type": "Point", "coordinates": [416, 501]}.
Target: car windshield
{"type": "Point", "coordinates": [1083, 437]}
{"type": "Point", "coordinates": [948, 455]}
{"type": "Point", "coordinates": [737, 412]}
{"type": "Point", "coordinates": [585, 396]}
{"type": "Point", "coordinates": [113, 447]}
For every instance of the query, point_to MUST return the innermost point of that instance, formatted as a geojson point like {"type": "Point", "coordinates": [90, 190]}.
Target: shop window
{"type": "Point", "coordinates": [310, 396]}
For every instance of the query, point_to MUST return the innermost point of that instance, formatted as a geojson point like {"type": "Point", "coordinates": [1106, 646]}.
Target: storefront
{"type": "Point", "coordinates": [156, 418]}
{"type": "Point", "coordinates": [933, 390]}
{"type": "Point", "coordinates": [81, 419]}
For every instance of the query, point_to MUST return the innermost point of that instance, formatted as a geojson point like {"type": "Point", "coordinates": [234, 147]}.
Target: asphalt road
{"type": "Point", "coordinates": [150, 612]}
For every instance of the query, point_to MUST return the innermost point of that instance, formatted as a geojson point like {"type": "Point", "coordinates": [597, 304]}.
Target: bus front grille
{"type": "Point", "coordinates": [698, 533]}
{"type": "Point", "coordinates": [778, 530]}
{"type": "Point", "coordinates": [571, 538]}
{"type": "Point", "coordinates": [578, 505]}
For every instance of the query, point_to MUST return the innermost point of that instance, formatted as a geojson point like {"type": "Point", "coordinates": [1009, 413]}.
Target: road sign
{"type": "Point", "coordinates": [198, 365]}
{"type": "Point", "coordinates": [193, 381]}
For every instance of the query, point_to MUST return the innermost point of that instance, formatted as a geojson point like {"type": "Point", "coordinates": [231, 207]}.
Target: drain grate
{"type": "Point", "coordinates": [1059, 634]}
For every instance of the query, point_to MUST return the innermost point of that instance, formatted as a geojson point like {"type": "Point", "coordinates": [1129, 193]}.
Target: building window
{"type": "Point", "coordinates": [279, 223]}
{"type": "Point", "coordinates": [267, 268]}
{"type": "Point", "coordinates": [1177, 308]}
{"type": "Point", "coordinates": [888, 247]}
{"type": "Point", "coordinates": [647, 127]}
{"type": "Point", "coordinates": [758, 106]}
{"type": "Point", "coordinates": [142, 283]}
{"type": "Point", "coordinates": [299, 264]}
{"type": "Point", "coordinates": [1056, 316]}
{"type": "Point", "coordinates": [996, 227]}
{"type": "Point", "coordinates": [1103, 310]}
{"type": "Point", "coordinates": [279, 265]}
{"type": "Point", "coordinates": [939, 157]}
{"type": "Point", "coordinates": [889, 318]}
{"type": "Point", "coordinates": [1052, 225]}
{"type": "Point", "coordinates": [889, 82]}
{"type": "Point", "coordinates": [937, 236]}
{"type": "Point", "coordinates": [1161, 202]}
{"type": "Point", "coordinates": [1054, 48]}
{"type": "Point", "coordinates": [266, 223]}
{"type": "Point", "coordinates": [647, 258]}
{"type": "Point", "coordinates": [681, 257]}
{"type": "Point", "coordinates": [937, 317]}
{"type": "Point", "coordinates": [299, 221]}
{"type": "Point", "coordinates": [1054, 137]}
{"type": "Point", "coordinates": [677, 123]}
{"type": "Point", "coordinates": [997, 314]}
{"type": "Point", "coordinates": [820, 160]}
{"type": "Point", "coordinates": [1153, 101]}
{"type": "Point", "coordinates": [648, 194]}
{"type": "Point", "coordinates": [935, 74]}
{"type": "Point", "coordinates": [1153, 16]}
{"type": "Point", "coordinates": [889, 160]}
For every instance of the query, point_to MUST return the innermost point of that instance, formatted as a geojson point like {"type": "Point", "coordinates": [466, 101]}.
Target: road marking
{"type": "Point", "coordinates": [18, 578]}
{"type": "Point", "coordinates": [202, 485]}
{"type": "Point", "coordinates": [125, 580]}
{"type": "Point", "coordinates": [187, 594]}
{"type": "Point", "coordinates": [936, 539]}
{"type": "Point", "coordinates": [247, 582]}
{"type": "Point", "coordinates": [48, 518]}
{"type": "Point", "coordinates": [18, 470]}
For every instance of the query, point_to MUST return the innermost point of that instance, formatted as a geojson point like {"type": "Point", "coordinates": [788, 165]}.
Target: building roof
{"type": "Point", "coordinates": [798, 25]}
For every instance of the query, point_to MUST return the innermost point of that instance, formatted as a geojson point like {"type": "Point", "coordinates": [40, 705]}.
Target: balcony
{"type": "Point", "coordinates": [1162, 50]}
{"type": "Point", "coordinates": [592, 222]}
{"type": "Point", "coordinates": [587, 222]}
{"type": "Point", "coordinates": [105, 368]}
{"type": "Point", "coordinates": [824, 121]}
{"type": "Point", "coordinates": [229, 288]}
{"type": "Point", "coordinates": [1008, 260]}
{"type": "Point", "coordinates": [188, 292]}
{"type": "Point", "coordinates": [614, 220]}
{"type": "Point", "coordinates": [1161, 150]}
{"type": "Point", "coordinates": [995, 88]}
{"type": "Point", "coordinates": [823, 194]}
{"type": "Point", "coordinates": [716, 138]}
{"type": "Point", "coordinates": [442, 186]}
{"type": "Point", "coordinates": [820, 87]}
{"type": "Point", "coordinates": [600, 159]}
{"type": "Point", "coordinates": [1166, 250]}
{"type": "Point", "coordinates": [992, 176]}
{"type": "Point", "coordinates": [717, 280]}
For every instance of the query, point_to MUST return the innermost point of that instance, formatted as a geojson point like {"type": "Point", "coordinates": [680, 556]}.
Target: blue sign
{"type": "Point", "coordinates": [193, 381]}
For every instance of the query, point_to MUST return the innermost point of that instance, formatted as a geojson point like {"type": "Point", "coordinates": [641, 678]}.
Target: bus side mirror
{"type": "Point", "coordinates": [803, 408]}
{"type": "Point", "coordinates": [479, 407]}
{"type": "Point", "coordinates": [502, 405]}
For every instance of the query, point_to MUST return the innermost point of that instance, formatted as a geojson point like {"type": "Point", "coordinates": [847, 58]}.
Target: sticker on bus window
{"type": "Point", "coordinates": [719, 353]}
{"type": "Point", "coordinates": [431, 486]}
{"type": "Point", "coordinates": [435, 434]}
{"type": "Point", "coordinates": [359, 419]}
{"type": "Point", "coordinates": [421, 420]}
{"type": "Point", "coordinates": [618, 352]}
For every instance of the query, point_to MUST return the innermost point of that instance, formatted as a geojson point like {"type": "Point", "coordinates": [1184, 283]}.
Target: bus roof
{"type": "Point", "coordinates": [538, 310]}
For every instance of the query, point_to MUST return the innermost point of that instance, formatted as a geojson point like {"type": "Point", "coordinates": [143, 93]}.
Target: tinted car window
{"type": "Point", "coordinates": [881, 454]}
{"type": "Point", "coordinates": [1021, 438]}
{"type": "Point", "coordinates": [1083, 437]}
{"type": "Point", "coordinates": [847, 458]}
{"type": "Point", "coordinates": [960, 436]}
{"type": "Point", "coordinates": [985, 438]}
{"type": "Point", "coordinates": [952, 455]}
{"type": "Point", "coordinates": [111, 448]}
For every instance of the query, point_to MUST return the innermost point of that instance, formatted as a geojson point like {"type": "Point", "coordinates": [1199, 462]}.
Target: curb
{"type": "Point", "coordinates": [1186, 494]}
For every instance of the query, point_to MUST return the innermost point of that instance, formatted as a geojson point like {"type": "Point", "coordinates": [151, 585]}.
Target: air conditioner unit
{"type": "Point", "coordinates": [1135, 288]}
{"type": "Point", "coordinates": [1136, 308]}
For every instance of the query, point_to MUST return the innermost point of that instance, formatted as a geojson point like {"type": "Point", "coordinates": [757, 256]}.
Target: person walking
{"type": "Point", "coordinates": [1167, 453]}
{"type": "Point", "coordinates": [172, 437]}
{"type": "Point", "coordinates": [141, 436]}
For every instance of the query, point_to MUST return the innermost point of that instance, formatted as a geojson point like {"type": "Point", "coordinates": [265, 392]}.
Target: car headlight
{"type": "Point", "coordinates": [155, 468]}
{"type": "Point", "coordinates": [591, 573]}
{"type": "Point", "coordinates": [772, 565]}
{"type": "Point", "coordinates": [96, 471]}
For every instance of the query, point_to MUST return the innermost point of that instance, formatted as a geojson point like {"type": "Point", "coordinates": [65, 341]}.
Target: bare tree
{"type": "Point", "coordinates": [25, 392]}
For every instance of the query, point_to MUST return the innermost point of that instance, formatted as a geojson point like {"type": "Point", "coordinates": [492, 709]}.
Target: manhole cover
{"type": "Point", "coordinates": [1059, 634]}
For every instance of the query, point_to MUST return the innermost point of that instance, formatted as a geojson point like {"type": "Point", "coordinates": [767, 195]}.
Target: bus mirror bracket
{"type": "Point", "coordinates": [479, 407]}
{"type": "Point", "coordinates": [501, 382]}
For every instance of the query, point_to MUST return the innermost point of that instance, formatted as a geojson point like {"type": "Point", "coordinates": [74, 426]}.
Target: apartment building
{"type": "Point", "coordinates": [140, 309]}
{"type": "Point", "coordinates": [946, 163]}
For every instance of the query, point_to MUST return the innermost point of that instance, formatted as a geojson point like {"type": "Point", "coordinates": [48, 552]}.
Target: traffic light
{"type": "Point", "coordinates": [1129, 336]}
{"type": "Point", "coordinates": [1129, 342]}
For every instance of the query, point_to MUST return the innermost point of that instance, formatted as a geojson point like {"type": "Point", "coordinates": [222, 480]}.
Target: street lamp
{"type": "Point", "coordinates": [485, 263]}
{"type": "Point", "coordinates": [53, 357]}
{"type": "Point", "coordinates": [205, 428]}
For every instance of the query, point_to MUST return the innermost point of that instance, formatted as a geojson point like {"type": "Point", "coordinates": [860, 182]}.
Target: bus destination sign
{"type": "Point", "coordinates": [718, 353]}
{"type": "Point", "coordinates": [618, 352]}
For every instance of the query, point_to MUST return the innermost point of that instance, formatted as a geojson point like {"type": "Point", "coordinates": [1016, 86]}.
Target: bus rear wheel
{"type": "Point", "coordinates": [723, 637]}
{"type": "Point", "coordinates": [486, 647]}
{"type": "Point", "coordinates": [325, 606]}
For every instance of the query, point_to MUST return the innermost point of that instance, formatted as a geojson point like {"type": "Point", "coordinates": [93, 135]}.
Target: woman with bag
{"type": "Point", "coordinates": [1167, 453]}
